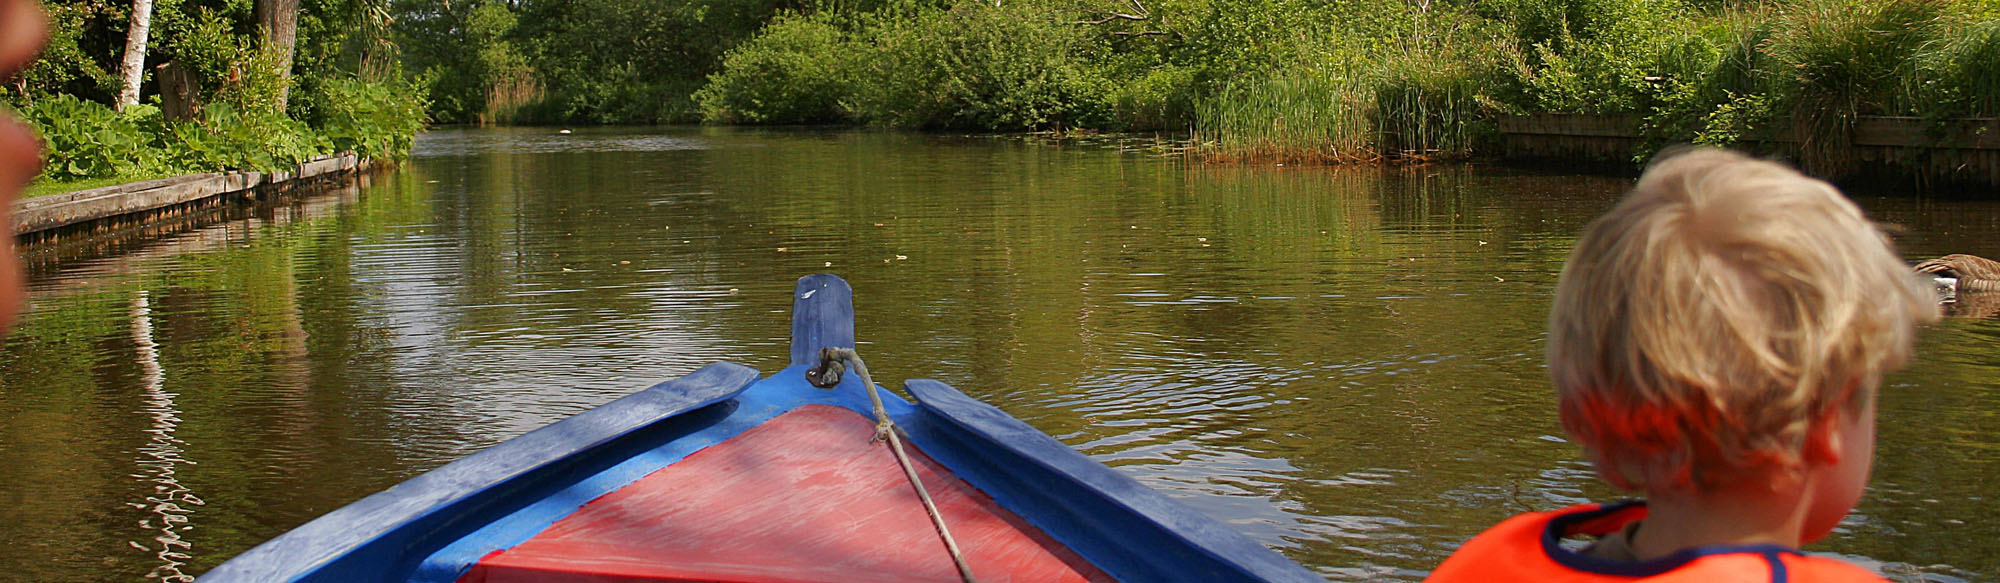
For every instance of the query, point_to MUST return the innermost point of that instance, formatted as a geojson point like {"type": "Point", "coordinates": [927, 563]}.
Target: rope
{"type": "Point", "coordinates": [829, 370]}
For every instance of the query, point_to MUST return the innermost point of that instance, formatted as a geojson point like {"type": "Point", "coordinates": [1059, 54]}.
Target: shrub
{"type": "Point", "coordinates": [1593, 56]}
{"type": "Point", "coordinates": [1162, 98]}
{"type": "Point", "coordinates": [224, 138]}
{"type": "Point", "coordinates": [86, 139]}
{"type": "Point", "coordinates": [1963, 78]}
{"type": "Point", "coordinates": [374, 120]}
{"type": "Point", "coordinates": [1839, 59]}
{"type": "Point", "coordinates": [798, 69]}
{"type": "Point", "coordinates": [977, 66]}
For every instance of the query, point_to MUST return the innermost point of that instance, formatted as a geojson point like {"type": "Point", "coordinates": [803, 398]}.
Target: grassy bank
{"type": "Point", "coordinates": [1370, 80]}
{"type": "Point", "coordinates": [215, 87]}
{"type": "Point", "coordinates": [88, 144]}
{"type": "Point", "coordinates": [1328, 81]}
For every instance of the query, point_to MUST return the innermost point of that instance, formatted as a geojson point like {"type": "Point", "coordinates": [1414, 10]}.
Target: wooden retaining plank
{"type": "Point", "coordinates": [75, 195]}
{"type": "Point", "coordinates": [1916, 132]}
{"type": "Point", "coordinates": [1869, 130]}
{"type": "Point", "coordinates": [60, 210]}
{"type": "Point", "coordinates": [1572, 124]}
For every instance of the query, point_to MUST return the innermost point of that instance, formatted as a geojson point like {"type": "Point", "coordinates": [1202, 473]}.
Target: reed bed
{"type": "Point", "coordinates": [1805, 70]}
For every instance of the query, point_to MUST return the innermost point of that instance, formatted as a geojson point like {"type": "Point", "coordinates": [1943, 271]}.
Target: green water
{"type": "Point", "coordinates": [1343, 364]}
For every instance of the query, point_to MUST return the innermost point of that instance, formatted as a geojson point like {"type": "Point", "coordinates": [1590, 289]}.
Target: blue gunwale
{"type": "Point", "coordinates": [432, 528]}
{"type": "Point", "coordinates": [369, 538]}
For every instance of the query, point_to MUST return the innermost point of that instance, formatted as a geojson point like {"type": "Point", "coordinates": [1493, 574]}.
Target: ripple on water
{"type": "Point", "coordinates": [1343, 364]}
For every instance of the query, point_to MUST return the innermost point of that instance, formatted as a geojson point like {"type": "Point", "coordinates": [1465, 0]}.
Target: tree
{"type": "Point", "coordinates": [133, 68]}
{"type": "Point", "coordinates": [279, 20]}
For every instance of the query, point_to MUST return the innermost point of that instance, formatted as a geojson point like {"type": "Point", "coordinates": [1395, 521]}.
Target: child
{"type": "Point", "coordinates": [1716, 342]}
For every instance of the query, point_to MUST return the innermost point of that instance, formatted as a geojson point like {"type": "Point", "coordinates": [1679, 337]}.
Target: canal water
{"type": "Point", "coordinates": [1342, 364]}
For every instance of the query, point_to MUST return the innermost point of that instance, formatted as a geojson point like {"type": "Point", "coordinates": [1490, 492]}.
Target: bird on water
{"type": "Point", "coordinates": [1970, 272]}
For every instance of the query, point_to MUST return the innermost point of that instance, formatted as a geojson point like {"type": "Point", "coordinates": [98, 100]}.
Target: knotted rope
{"type": "Point", "coordinates": [827, 374]}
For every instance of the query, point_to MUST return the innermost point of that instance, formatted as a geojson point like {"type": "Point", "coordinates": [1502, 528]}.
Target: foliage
{"type": "Point", "coordinates": [977, 66]}
{"type": "Point", "coordinates": [475, 68]}
{"type": "Point", "coordinates": [64, 64]}
{"type": "Point", "coordinates": [1963, 77]}
{"type": "Point", "coordinates": [353, 105]}
{"type": "Point", "coordinates": [86, 139]}
{"type": "Point", "coordinates": [225, 138]}
{"type": "Point", "coordinates": [798, 69]}
{"type": "Point", "coordinates": [1292, 79]}
{"type": "Point", "coordinates": [1593, 56]}
{"type": "Point", "coordinates": [373, 120]}
{"type": "Point", "coordinates": [1311, 115]}
{"type": "Point", "coordinates": [1428, 109]}
{"type": "Point", "coordinates": [1418, 86]}
{"type": "Point", "coordinates": [1161, 98]}
{"type": "Point", "coordinates": [630, 61]}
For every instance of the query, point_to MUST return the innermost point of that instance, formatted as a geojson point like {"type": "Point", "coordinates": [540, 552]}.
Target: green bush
{"type": "Point", "coordinates": [1839, 59]}
{"type": "Point", "coordinates": [86, 139]}
{"type": "Point", "coordinates": [375, 120]}
{"type": "Point", "coordinates": [1593, 56]}
{"type": "Point", "coordinates": [225, 138]}
{"type": "Point", "coordinates": [1161, 99]}
{"type": "Point", "coordinates": [977, 66]}
{"type": "Point", "coordinates": [1963, 78]}
{"type": "Point", "coordinates": [798, 69]}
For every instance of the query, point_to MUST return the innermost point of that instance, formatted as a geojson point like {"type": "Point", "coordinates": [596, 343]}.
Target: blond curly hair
{"type": "Point", "coordinates": [1702, 325]}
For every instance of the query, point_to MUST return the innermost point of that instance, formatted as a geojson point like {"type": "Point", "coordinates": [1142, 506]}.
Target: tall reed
{"type": "Point", "coordinates": [1841, 59]}
{"type": "Point", "coordinates": [1302, 115]}
{"type": "Point", "coordinates": [507, 98]}
{"type": "Point", "coordinates": [1429, 107]}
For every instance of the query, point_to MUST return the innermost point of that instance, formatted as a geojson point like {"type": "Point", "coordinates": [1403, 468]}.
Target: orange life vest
{"type": "Point", "coordinates": [1528, 548]}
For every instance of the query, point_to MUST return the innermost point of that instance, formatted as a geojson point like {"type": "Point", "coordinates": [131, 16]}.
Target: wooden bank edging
{"type": "Point", "coordinates": [1954, 150]}
{"type": "Point", "coordinates": [44, 213]}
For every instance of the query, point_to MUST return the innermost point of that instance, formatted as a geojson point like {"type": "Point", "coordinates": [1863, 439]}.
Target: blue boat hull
{"type": "Point", "coordinates": [434, 527]}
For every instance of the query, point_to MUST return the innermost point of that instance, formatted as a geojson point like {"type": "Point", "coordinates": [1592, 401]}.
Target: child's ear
{"type": "Point", "coordinates": [1823, 439]}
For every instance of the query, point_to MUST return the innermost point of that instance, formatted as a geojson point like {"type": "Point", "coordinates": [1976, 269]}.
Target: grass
{"type": "Point", "coordinates": [52, 187]}
{"type": "Point", "coordinates": [1304, 116]}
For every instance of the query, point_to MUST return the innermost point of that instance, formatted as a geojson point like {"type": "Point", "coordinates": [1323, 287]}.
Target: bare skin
{"type": "Point", "coordinates": [22, 31]}
{"type": "Point", "coordinates": [1787, 510]}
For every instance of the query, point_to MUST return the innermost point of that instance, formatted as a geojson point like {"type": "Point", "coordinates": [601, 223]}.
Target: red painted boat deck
{"type": "Point", "coordinates": [804, 498]}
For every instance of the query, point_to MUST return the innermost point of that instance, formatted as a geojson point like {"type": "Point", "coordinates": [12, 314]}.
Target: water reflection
{"type": "Point", "coordinates": [1342, 363]}
{"type": "Point", "coordinates": [162, 454]}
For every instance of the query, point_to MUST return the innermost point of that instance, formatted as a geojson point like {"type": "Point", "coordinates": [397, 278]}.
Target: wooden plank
{"type": "Point", "coordinates": [1915, 132]}
{"type": "Point", "coordinates": [1881, 131]}
{"type": "Point", "coordinates": [1572, 124]}
{"type": "Point", "coordinates": [807, 497]}
{"type": "Point", "coordinates": [55, 199]}
{"type": "Point", "coordinates": [61, 210]}
{"type": "Point", "coordinates": [360, 541]}
{"type": "Point", "coordinates": [51, 216]}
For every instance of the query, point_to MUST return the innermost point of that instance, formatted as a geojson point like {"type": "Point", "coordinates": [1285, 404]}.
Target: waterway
{"type": "Point", "coordinates": [1342, 364]}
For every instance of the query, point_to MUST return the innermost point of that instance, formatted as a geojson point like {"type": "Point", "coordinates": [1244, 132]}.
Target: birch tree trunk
{"type": "Point", "coordinates": [133, 68]}
{"type": "Point", "coordinates": [280, 20]}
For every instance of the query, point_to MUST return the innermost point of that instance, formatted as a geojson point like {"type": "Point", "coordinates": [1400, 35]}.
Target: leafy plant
{"type": "Point", "coordinates": [977, 66]}
{"type": "Point", "coordinates": [1840, 59]}
{"type": "Point", "coordinates": [225, 138]}
{"type": "Point", "coordinates": [85, 139]}
{"type": "Point", "coordinates": [798, 69]}
{"type": "Point", "coordinates": [374, 120]}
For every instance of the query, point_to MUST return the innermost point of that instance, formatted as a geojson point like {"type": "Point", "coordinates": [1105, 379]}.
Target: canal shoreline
{"type": "Point", "coordinates": [46, 216]}
{"type": "Point", "coordinates": [1933, 153]}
